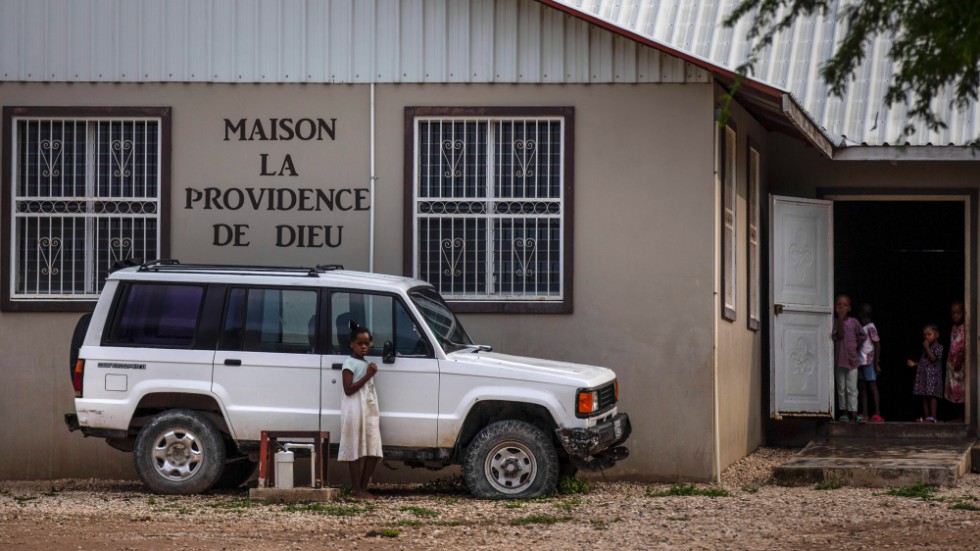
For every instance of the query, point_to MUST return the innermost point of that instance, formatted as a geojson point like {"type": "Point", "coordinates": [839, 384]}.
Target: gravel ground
{"type": "Point", "coordinates": [120, 515]}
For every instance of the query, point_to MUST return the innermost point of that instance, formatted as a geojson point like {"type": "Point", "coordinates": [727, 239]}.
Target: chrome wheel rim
{"type": "Point", "coordinates": [510, 467]}
{"type": "Point", "coordinates": [177, 455]}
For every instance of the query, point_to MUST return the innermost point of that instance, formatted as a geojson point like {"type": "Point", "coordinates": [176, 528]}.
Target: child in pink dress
{"type": "Point", "coordinates": [956, 362]}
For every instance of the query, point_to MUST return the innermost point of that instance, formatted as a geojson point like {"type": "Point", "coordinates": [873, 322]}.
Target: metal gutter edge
{"type": "Point", "coordinates": [907, 153]}
{"type": "Point", "coordinates": [813, 133]}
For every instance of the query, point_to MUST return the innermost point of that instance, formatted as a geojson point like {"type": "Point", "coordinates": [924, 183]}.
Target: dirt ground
{"type": "Point", "coordinates": [744, 512]}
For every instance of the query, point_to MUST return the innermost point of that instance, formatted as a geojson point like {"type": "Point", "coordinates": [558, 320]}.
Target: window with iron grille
{"type": "Point", "coordinates": [490, 193]}
{"type": "Point", "coordinates": [85, 191]}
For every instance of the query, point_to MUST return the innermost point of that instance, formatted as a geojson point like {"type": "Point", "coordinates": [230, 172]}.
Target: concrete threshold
{"type": "Point", "coordinates": [878, 462]}
{"type": "Point", "coordinates": [293, 495]}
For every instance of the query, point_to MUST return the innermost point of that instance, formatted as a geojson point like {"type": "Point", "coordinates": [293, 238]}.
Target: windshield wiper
{"type": "Point", "coordinates": [476, 347]}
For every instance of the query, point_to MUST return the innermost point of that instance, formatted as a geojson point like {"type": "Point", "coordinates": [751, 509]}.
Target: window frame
{"type": "Point", "coordinates": [562, 305]}
{"type": "Point", "coordinates": [110, 335]}
{"type": "Point", "coordinates": [753, 229]}
{"type": "Point", "coordinates": [728, 164]}
{"type": "Point", "coordinates": [328, 331]}
{"type": "Point", "coordinates": [8, 303]}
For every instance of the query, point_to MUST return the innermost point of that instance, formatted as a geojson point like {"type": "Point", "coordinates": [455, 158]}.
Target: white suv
{"type": "Point", "coordinates": [185, 365]}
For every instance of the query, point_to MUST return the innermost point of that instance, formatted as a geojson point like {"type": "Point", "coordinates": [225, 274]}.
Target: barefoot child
{"type": "Point", "coordinates": [956, 361]}
{"type": "Point", "coordinates": [360, 433]}
{"type": "Point", "coordinates": [928, 374]}
{"type": "Point", "coordinates": [848, 336]}
{"type": "Point", "coordinates": [870, 367]}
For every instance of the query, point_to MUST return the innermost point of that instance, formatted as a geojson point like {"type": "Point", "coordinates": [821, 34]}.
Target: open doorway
{"type": "Point", "coordinates": [906, 258]}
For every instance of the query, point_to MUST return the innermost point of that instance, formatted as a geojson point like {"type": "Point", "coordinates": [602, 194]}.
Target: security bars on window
{"type": "Point", "coordinates": [489, 207]}
{"type": "Point", "coordinates": [86, 195]}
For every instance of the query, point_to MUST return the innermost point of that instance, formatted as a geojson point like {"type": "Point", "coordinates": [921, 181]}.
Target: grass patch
{"type": "Point", "coordinates": [599, 524]}
{"type": "Point", "coordinates": [920, 491]}
{"type": "Point", "coordinates": [570, 485]}
{"type": "Point", "coordinates": [24, 499]}
{"type": "Point", "coordinates": [454, 485]}
{"type": "Point", "coordinates": [513, 505]}
{"type": "Point", "coordinates": [390, 532]}
{"type": "Point", "coordinates": [173, 508]}
{"type": "Point", "coordinates": [750, 488]}
{"type": "Point", "coordinates": [410, 522]}
{"type": "Point", "coordinates": [960, 506]}
{"type": "Point", "coordinates": [568, 505]}
{"type": "Point", "coordinates": [449, 523]}
{"type": "Point", "coordinates": [320, 508]}
{"type": "Point", "coordinates": [689, 490]}
{"type": "Point", "coordinates": [829, 485]}
{"type": "Point", "coordinates": [538, 519]}
{"type": "Point", "coordinates": [240, 504]}
{"type": "Point", "coordinates": [679, 518]}
{"type": "Point", "coordinates": [419, 511]}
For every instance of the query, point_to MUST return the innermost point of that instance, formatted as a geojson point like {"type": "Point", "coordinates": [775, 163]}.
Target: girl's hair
{"type": "Point", "coordinates": [864, 310]}
{"type": "Point", "coordinates": [359, 330]}
{"type": "Point", "coordinates": [932, 326]}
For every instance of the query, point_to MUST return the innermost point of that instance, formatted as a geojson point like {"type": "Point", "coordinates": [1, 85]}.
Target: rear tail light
{"type": "Point", "coordinates": [76, 379]}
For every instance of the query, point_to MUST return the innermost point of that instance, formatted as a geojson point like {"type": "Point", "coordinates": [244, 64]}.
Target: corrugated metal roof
{"type": "Point", "coordinates": [318, 41]}
{"type": "Point", "coordinates": [792, 63]}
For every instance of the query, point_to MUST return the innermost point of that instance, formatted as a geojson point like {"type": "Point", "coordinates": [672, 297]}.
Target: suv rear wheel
{"type": "Point", "coordinates": [179, 452]}
{"type": "Point", "coordinates": [511, 459]}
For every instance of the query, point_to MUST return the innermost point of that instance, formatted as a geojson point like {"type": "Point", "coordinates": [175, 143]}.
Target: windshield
{"type": "Point", "coordinates": [440, 318]}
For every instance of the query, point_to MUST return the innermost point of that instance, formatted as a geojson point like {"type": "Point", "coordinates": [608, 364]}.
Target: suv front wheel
{"type": "Point", "coordinates": [511, 459]}
{"type": "Point", "coordinates": [179, 452]}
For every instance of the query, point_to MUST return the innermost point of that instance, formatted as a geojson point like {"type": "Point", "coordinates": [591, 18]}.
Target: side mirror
{"type": "Point", "coordinates": [388, 353]}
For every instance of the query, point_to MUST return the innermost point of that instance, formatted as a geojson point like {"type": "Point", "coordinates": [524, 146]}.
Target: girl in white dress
{"type": "Point", "coordinates": [360, 433]}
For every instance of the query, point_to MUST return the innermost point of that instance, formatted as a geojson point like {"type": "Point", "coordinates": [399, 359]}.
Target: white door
{"type": "Point", "coordinates": [802, 300]}
{"type": "Point", "coordinates": [408, 389]}
{"type": "Point", "coordinates": [266, 371]}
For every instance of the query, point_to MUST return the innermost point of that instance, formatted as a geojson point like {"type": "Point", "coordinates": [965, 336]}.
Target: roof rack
{"type": "Point", "coordinates": [174, 265]}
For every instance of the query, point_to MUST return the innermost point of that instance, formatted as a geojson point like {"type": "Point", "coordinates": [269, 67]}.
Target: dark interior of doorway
{"type": "Point", "coordinates": [906, 259]}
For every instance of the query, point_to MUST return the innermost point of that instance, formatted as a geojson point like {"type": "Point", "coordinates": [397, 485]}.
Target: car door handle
{"type": "Point", "coordinates": [336, 366]}
{"type": "Point", "coordinates": [233, 362]}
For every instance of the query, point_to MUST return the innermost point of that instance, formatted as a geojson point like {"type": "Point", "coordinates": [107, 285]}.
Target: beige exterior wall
{"type": "Point", "coordinates": [740, 353]}
{"type": "Point", "coordinates": [644, 226]}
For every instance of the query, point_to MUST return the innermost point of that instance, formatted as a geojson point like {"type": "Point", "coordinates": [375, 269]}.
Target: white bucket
{"type": "Point", "coordinates": [284, 469]}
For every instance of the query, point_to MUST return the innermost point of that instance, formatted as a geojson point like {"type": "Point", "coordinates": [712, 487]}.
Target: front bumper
{"type": "Point", "coordinates": [584, 443]}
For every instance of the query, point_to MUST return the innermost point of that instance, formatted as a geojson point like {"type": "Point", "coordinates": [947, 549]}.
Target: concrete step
{"type": "Point", "coordinates": [878, 462]}
{"type": "Point", "coordinates": [895, 431]}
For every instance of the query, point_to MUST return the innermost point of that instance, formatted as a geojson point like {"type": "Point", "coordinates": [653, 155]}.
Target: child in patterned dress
{"type": "Point", "coordinates": [929, 374]}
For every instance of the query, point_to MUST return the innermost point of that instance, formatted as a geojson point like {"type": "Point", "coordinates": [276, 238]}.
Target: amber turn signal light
{"type": "Point", "coordinates": [588, 401]}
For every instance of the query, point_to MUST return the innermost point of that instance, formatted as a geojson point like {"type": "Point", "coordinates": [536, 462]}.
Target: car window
{"type": "Point", "coordinates": [270, 320]}
{"type": "Point", "coordinates": [384, 315]}
{"type": "Point", "coordinates": [162, 315]}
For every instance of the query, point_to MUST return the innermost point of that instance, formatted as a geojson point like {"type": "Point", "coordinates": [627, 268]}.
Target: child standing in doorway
{"type": "Point", "coordinates": [360, 429]}
{"type": "Point", "coordinates": [848, 337]}
{"type": "Point", "coordinates": [870, 367]}
{"type": "Point", "coordinates": [928, 374]}
{"type": "Point", "coordinates": [956, 361]}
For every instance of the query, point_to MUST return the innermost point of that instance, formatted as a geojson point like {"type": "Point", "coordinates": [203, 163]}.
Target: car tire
{"type": "Point", "coordinates": [237, 471]}
{"type": "Point", "coordinates": [179, 452]}
{"type": "Point", "coordinates": [510, 459]}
